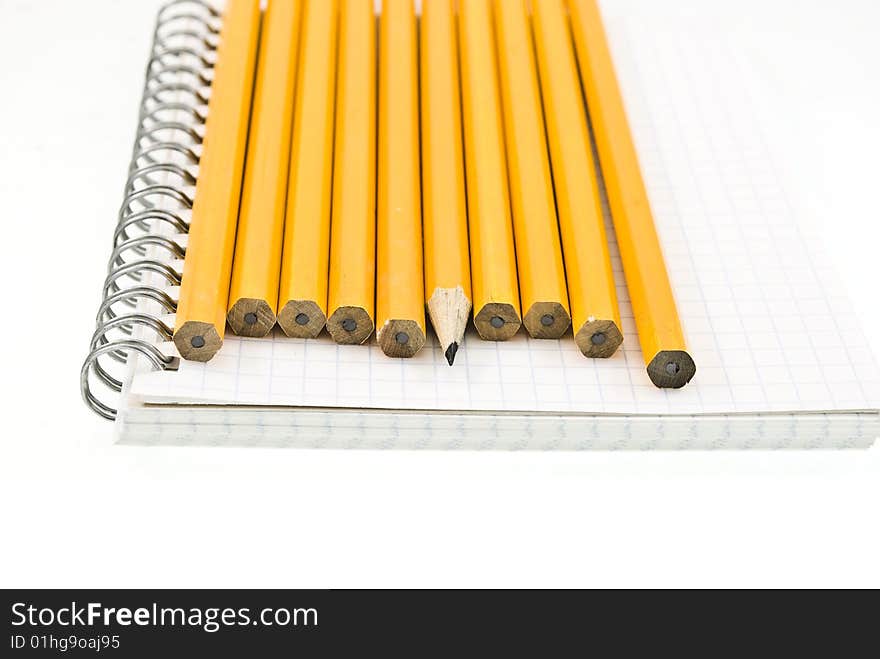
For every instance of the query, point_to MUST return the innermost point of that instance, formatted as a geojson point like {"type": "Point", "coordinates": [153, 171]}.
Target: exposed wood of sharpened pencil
{"type": "Point", "coordinates": [660, 333]}
{"type": "Point", "coordinates": [543, 292]}
{"type": "Point", "coordinates": [447, 260]}
{"type": "Point", "coordinates": [253, 295]}
{"type": "Point", "coordinates": [493, 257]}
{"type": "Point", "coordinates": [204, 293]}
{"type": "Point", "coordinates": [591, 288]}
{"type": "Point", "coordinates": [352, 291]}
{"type": "Point", "coordinates": [302, 298]}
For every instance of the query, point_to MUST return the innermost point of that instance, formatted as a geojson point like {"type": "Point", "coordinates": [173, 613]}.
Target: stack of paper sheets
{"type": "Point", "coordinates": [780, 359]}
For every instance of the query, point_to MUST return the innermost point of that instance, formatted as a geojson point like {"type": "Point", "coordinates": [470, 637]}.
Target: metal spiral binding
{"type": "Point", "coordinates": [157, 204]}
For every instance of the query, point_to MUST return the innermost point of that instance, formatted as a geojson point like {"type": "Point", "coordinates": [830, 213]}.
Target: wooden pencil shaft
{"type": "Point", "coordinates": [400, 291]}
{"type": "Point", "coordinates": [660, 332]}
{"type": "Point", "coordinates": [302, 299]}
{"type": "Point", "coordinates": [201, 313]}
{"type": "Point", "coordinates": [591, 287]}
{"type": "Point", "coordinates": [253, 295]}
{"type": "Point", "coordinates": [493, 257]}
{"type": "Point", "coordinates": [352, 288]}
{"type": "Point", "coordinates": [543, 293]}
{"type": "Point", "coordinates": [447, 258]}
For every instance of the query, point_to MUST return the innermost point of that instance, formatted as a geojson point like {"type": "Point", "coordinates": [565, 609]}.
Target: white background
{"type": "Point", "coordinates": [76, 511]}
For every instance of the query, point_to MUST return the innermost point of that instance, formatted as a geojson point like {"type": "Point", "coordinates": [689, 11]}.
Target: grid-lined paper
{"type": "Point", "coordinates": [765, 322]}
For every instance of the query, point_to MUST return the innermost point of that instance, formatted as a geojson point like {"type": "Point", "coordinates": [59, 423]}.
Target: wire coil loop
{"type": "Point", "coordinates": [157, 203]}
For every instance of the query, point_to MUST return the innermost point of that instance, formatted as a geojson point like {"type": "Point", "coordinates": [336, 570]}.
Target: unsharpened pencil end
{"type": "Point", "coordinates": [301, 319]}
{"type": "Point", "coordinates": [598, 339]}
{"type": "Point", "coordinates": [671, 369]}
{"type": "Point", "coordinates": [546, 320]}
{"type": "Point", "coordinates": [251, 317]}
{"type": "Point", "coordinates": [497, 321]}
{"type": "Point", "coordinates": [401, 338]}
{"type": "Point", "coordinates": [451, 351]}
{"type": "Point", "coordinates": [197, 341]}
{"type": "Point", "coordinates": [350, 325]}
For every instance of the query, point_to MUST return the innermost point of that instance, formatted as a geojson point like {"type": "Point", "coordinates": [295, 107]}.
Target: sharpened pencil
{"type": "Point", "coordinates": [447, 258]}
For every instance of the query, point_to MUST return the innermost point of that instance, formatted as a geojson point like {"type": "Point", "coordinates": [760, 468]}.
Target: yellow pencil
{"type": "Point", "coordinates": [204, 292]}
{"type": "Point", "coordinates": [660, 334]}
{"type": "Point", "coordinates": [543, 293]}
{"type": "Point", "coordinates": [253, 295]}
{"type": "Point", "coordinates": [447, 260]}
{"type": "Point", "coordinates": [400, 288]}
{"type": "Point", "coordinates": [591, 289]}
{"type": "Point", "coordinates": [302, 298]}
{"type": "Point", "coordinates": [493, 259]}
{"type": "Point", "coordinates": [353, 228]}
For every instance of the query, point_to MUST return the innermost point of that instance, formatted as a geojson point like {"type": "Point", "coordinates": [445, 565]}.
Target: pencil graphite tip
{"type": "Point", "coordinates": [451, 352]}
{"type": "Point", "coordinates": [449, 310]}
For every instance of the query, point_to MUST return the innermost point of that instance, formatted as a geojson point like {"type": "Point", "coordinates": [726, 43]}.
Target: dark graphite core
{"type": "Point", "coordinates": [451, 352]}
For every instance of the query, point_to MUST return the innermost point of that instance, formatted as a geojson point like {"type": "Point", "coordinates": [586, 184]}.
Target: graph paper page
{"type": "Point", "coordinates": [763, 316]}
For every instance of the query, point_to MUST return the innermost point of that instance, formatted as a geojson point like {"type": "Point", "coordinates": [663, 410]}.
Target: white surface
{"type": "Point", "coordinates": [76, 511]}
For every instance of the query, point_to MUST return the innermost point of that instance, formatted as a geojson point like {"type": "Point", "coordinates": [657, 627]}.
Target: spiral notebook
{"type": "Point", "coordinates": [759, 303]}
